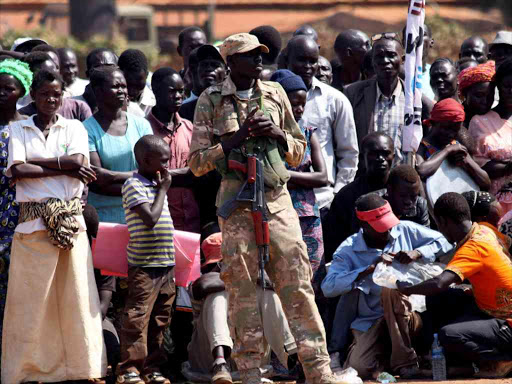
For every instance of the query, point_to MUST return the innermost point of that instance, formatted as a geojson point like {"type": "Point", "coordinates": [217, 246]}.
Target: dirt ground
{"type": "Point", "coordinates": [460, 381]}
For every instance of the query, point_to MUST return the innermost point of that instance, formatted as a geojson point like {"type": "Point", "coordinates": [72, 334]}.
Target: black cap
{"type": "Point", "coordinates": [208, 52]}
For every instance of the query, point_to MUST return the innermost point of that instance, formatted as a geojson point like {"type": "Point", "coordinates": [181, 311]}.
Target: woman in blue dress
{"type": "Point", "coordinates": [112, 136]}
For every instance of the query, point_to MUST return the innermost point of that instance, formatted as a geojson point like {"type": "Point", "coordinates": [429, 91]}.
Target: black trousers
{"type": "Point", "coordinates": [466, 333]}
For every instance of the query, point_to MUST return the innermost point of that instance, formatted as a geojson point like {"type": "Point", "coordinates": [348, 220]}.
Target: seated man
{"type": "Point", "coordinates": [403, 193]}
{"type": "Point", "coordinates": [401, 186]}
{"type": "Point", "coordinates": [473, 328]}
{"type": "Point", "coordinates": [379, 314]}
{"type": "Point", "coordinates": [441, 143]}
{"type": "Point", "coordinates": [378, 154]}
{"type": "Point", "coordinates": [211, 344]}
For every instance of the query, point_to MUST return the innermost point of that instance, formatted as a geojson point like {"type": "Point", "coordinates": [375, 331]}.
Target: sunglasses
{"type": "Point", "coordinates": [386, 35]}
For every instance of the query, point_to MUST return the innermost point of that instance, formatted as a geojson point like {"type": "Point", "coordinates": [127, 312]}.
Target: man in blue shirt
{"type": "Point", "coordinates": [378, 314]}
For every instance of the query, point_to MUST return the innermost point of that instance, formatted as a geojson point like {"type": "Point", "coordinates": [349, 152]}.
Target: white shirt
{"type": "Point", "coordinates": [66, 138]}
{"type": "Point", "coordinates": [142, 107]}
{"type": "Point", "coordinates": [77, 88]}
{"type": "Point", "coordinates": [330, 112]}
{"type": "Point", "coordinates": [24, 101]}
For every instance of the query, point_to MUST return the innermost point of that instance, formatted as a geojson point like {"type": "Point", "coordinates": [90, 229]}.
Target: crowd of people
{"type": "Point", "coordinates": [157, 151]}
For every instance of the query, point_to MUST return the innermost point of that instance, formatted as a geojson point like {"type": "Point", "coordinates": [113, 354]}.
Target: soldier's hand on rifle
{"type": "Point", "coordinates": [163, 180]}
{"type": "Point", "coordinates": [243, 133]}
{"type": "Point", "coordinates": [263, 126]}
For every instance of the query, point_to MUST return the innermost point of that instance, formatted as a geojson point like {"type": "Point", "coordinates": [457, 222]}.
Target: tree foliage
{"type": "Point", "coordinates": [118, 44]}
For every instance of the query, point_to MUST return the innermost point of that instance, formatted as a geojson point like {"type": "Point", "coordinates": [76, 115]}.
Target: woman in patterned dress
{"type": "Point", "coordinates": [15, 80]}
{"type": "Point", "coordinates": [310, 174]}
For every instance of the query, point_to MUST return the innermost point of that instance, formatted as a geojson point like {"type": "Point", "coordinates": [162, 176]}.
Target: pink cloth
{"type": "Point", "coordinates": [182, 202]}
{"type": "Point", "coordinates": [109, 253]}
{"type": "Point", "coordinates": [493, 137]}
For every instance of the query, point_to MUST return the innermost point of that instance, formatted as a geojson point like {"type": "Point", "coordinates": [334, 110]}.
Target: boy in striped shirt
{"type": "Point", "coordinates": [151, 289]}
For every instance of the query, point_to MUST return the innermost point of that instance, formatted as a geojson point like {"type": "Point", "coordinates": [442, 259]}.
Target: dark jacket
{"type": "Point", "coordinates": [421, 215]}
{"type": "Point", "coordinates": [362, 96]}
{"type": "Point", "coordinates": [341, 221]}
{"type": "Point", "coordinates": [187, 110]}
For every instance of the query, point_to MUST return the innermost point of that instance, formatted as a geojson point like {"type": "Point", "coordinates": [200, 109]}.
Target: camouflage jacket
{"type": "Point", "coordinates": [216, 120]}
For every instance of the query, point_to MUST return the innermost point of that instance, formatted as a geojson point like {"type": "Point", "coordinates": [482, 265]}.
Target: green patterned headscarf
{"type": "Point", "coordinates": [19, 70]}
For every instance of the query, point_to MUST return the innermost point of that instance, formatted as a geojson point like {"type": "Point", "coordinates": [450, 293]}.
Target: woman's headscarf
{"type": "Point", "coordinates": [20, 70]}
{"type": "Point", "coordinates": [482, 73]}
{"type": "Point", "coordinates": [448, 110]}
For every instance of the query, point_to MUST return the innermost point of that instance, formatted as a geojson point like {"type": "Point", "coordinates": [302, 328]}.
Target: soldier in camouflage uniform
{"type": "Point", "coordinates": [230, 116]}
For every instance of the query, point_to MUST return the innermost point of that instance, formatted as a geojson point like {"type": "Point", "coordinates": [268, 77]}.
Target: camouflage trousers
{"type": "Point", "coordinates": [289, 271]}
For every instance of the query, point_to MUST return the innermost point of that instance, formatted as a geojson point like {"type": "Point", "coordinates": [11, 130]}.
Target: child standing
{"type": "Point", "coordinates": [151, 288]}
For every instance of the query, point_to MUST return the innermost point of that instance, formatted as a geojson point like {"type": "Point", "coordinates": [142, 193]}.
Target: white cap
{"type": "Point", "coordinates": [22, 40]}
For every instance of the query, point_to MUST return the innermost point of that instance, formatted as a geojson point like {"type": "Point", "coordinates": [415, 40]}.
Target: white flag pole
{"type": "Point", "coordinates": [413, 132]}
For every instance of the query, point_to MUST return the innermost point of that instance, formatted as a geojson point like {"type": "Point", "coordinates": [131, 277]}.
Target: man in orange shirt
{"type": "Point", "coordinates": [474, 329]}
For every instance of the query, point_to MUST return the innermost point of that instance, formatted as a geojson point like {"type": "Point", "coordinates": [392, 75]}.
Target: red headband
{"type": "Point", "coordinates": [381, 219]}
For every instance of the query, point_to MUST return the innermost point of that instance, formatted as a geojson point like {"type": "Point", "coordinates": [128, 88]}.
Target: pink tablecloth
{"type": "Point", "coordinates": [109, 253]}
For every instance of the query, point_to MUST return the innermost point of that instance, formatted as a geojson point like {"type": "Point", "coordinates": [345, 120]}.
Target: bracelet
{"type": "Point", "coordinates": [58, 161]}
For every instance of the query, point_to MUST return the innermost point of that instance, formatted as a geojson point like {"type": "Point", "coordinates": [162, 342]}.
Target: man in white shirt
{"type": "Point", "coordinates": [75, 86]}
{"type": "Point", "coordinates": [330, 112]}
{"type": "Point", "coordinates": [134, 65]}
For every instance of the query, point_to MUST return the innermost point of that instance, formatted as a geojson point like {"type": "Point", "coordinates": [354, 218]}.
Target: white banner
{"type": "Point", "coordinates": [413, 132]}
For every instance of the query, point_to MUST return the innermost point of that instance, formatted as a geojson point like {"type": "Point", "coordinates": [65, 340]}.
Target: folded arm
{"type": "Point", "coordinates": [108, 183]}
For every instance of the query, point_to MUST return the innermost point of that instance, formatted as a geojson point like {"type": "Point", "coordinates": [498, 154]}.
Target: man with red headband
{"type": "Point", "coordinates": [440, 144]}
{"type": "Point", "coordinates": [380, 313]}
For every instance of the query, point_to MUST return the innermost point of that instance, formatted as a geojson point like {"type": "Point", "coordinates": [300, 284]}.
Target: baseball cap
{"type": "Point", "coordinates": [20, 42]}
{"type": "Point", "coordinates": [240, 43]}
{"type": "Point", "coordinates": [211, 247]}
{"type": "Point", "coordinates": [208, 52]}
{"type": "Point", "coordinates": [381, 219]}
{"type": "Point", "coordinates": [502, 37]}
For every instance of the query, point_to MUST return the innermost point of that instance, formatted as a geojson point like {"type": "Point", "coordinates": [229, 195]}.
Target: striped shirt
{"type": "Point", "coordinates": [148, 247]}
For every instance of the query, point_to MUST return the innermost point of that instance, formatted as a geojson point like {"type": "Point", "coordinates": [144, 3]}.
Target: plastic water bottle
{"type": "Point", "coordinates": [438, 361]}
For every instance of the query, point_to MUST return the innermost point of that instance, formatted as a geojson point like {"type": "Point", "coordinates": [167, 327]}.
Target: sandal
{"type": "Point", "coordinates": [129, 378]}
{"type": "Point", "coordinates": [155, 378]}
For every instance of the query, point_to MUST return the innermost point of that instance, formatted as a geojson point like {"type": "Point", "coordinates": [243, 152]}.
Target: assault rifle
{"type": "Point", "coordinates": [252, 191]}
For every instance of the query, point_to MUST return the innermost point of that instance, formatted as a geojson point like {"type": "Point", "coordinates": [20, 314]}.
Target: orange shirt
{"type": "Point", "coordinates": [482, 257]}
